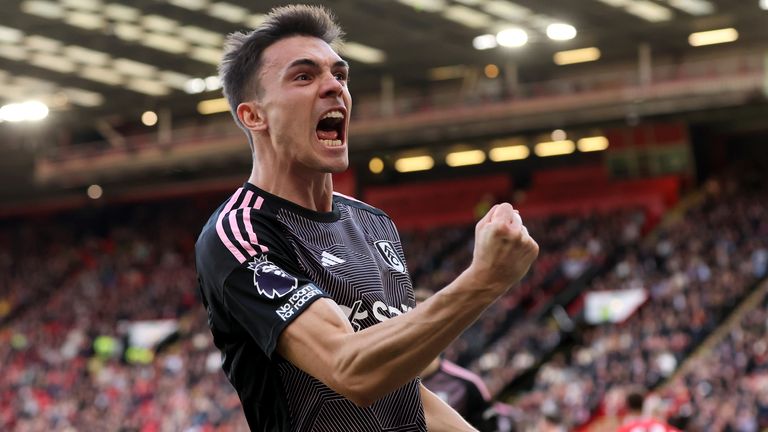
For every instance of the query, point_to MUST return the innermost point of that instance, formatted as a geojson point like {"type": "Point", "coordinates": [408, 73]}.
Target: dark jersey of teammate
{"type": "Point", "coordinates": [464, 391]}
{"type": "Point", "coordinates": [261, 261]}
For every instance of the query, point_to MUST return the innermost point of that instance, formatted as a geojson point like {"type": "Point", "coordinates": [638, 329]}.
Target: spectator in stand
{"type": "Point", "coordinates": [637, 420]}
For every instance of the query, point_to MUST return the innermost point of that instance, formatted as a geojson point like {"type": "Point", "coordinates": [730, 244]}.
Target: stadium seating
{"type": "Point", "coordinates": [79, 279]}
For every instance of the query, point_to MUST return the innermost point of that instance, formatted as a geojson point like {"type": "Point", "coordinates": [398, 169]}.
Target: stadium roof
{"type": "Point", "coordinates": [90, 58]}
{"type": "Point", "coordinates": [99, 64]}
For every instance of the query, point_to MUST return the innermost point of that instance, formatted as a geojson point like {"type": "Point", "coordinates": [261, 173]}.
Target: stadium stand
{"type": "Point", "coordinates": [696, 271]}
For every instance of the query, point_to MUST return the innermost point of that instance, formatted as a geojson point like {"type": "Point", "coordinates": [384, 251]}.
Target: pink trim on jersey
{"type": "Point", "coordinates": [236, 231]}
{"type": "Point", "coordinates": [220, 227]}
{"type": "Point", "coordinates": [347, 196]}
{"type": "Point", "coordinates": [458, 371]}
{"type": "Point", "coordinates": [249, 228]}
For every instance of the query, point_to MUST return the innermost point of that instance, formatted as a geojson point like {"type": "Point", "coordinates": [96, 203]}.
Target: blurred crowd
{"type": "Point", "coordinates": [63, 343]}
{"type": "Point", "coordinates": [70, 284]}
{"type": "Point", "coordinates": [726, 388]}
{"type": "Point", "coordinates": [695, 271]}
{"type": "Point", "coordinates": [573, 245]}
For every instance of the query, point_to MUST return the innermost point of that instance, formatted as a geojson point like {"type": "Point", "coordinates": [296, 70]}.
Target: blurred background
{"type": "Point", "coordinates": [631, 134]}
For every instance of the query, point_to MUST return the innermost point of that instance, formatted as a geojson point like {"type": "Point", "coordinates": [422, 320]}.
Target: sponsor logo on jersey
{"type": "Point", "coordinates": [297, 300]}
{"type": "Point", "coordinates": [269, 279]}
{"type": "Point", "coordinates": [379, 310]}
{"type": "Point", "coordinates": [328, 259]}
{"type": "Point", "coordinates": [388, 252]}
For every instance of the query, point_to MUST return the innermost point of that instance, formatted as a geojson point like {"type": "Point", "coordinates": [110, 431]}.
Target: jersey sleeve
{"type": "Point", "coordinates": [266, 293]}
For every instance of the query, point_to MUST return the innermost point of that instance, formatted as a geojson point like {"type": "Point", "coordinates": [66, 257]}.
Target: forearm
{"type": "Point", "coordinates": [386, 356]}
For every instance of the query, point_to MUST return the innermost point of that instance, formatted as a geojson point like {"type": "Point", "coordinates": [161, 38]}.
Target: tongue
{"type": "Point", "coordinates": [327, 134]}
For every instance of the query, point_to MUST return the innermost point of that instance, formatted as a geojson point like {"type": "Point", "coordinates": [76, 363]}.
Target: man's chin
{"type": "Point", "coordinates": [337, 167]}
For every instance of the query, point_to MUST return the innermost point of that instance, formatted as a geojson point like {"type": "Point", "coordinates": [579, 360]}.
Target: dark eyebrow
{"type": "Point", "coordinates": [313, 64]}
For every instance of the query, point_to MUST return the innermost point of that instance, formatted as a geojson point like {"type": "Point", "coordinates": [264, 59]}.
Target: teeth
{"type": "Point", "coordinates": [334, 114]}
{"type": "Point", "coordinates": [331, 143]}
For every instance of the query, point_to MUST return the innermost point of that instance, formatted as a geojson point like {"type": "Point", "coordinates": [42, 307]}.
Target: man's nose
{"type": "Point", "coordinates": [331, 86]}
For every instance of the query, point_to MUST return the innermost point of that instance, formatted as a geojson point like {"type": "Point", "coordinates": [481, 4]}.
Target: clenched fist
{"type": "Point", "coordinates": [503, 249]}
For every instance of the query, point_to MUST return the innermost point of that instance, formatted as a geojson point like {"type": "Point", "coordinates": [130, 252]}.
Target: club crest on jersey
{"type": "Point", "coordinates": [387, 251]}
{"type": "Point", "coordinates": [269, 279]}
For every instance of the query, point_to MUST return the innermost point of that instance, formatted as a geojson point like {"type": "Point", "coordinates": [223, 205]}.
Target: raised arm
{"type": "Point", "coordinates": [371, 363]}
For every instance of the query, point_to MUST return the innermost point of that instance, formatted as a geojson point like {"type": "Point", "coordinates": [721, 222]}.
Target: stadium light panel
{"type": "Point", "coordinates": [415, 163]}
{"type": "Point", "coordinates": [24, 111]}
{"type": "Point", "coordinates": [10, 35]}
{"type": "Point", "coordinates": [491, 71]}
{"type": "Point", "coordinates": [512, 38]}
{"type": "Point", "coordinates": [86, 56]}
{"type": "Point", "coordinates": [83, 97]}
{"type": "Point", "coordinates": [120, 12]}
{"type": "Point", "coordinates": [228, 12]}
{"type": "Point", "coordinates": [13, 52]}
{"type": "Point", "coordinates": [129, 32]}
{"type": "Point", "coordinates": [206, 55]}
{"type": "Point", "coordinates": [84, 20]}
{"type": "Point", "coordinates": [363, 53]}
{"type": "Point", "coordinates": [581, 55]}
{"type": "Point", "coordinates": [693, 7]}
{"type": "Point", "coordinates": [102, 74]}
{"type": "Point", "coordinates": [590, 144]}
{"type": "Point", "coordinates": [554, 148]}
{"type": "Point", "coordinates": [53, 62]}
{"type": "Point", "coordinates": [464, 158]}
{"type": "Point", "coordinates": [212, 82]}
{"type": "Point", "coordinates": [561, 31]}
{"type": "Point", "coordinates": [148, 87]}
{"type": "Point", "coordinates": [149, 118]}
{"type": "Point", "coordinates": [94, 191]}
{"type": "Point", "coordinates": [41, 8]}
{"type": "Point", "coordinates": [649, 11]}
{"type": "Point", "coordinates": [164, 42]}
{"type": "Point", "coordinates": [254, 20]}
{"type": "Point", "coordinates": [175, 79]}
{"type": "Point", "coordinates": [190, 4]}
{"type": "Point", "coordinates": [713, 37]}
{"type": "Point", "coordinates": [200, 36]}
{"type": "Point", "coordinates": [194, 86]}
{"type": "Point", "coordinates": [376, 165]}
{"type": "Point", "coordinates": [133, 67]}
{"type": "Point", "coordinates": [213, 106]}
{"type": "Point", "coordinates": [507, 10]}
{"type": "Point", "coordinates": [484, 42]}
{"type": "Point", "coordinates": [558, 135]}
{"type": "Point", "coordinates": [85, 5]}
{"type": "Point", "coordinates": [764, 4]}
{"type": "Point", "coordinates": [159, 23]}
{"type": "Point", "coordinates": [467, 17]}
{"type": "Point", "coordinates": [509, 153]}
{"type": "Point", "coordinates": [425, 5]}
{"type": "Point", "coordinates": [443, 73]}
{"type": "Point", "coordinates": [42, 43]}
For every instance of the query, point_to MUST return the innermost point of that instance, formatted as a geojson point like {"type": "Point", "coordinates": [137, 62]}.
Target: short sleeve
{"type": "Point", "coordinates": [266, 293]}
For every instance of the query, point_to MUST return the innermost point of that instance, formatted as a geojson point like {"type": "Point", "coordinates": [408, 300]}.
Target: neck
{"type": "Point", "coordinates": [313, 191]}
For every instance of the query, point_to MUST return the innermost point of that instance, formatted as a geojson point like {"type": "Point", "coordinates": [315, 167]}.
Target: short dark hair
{"type": "Point", "coordinates": [241, 61]}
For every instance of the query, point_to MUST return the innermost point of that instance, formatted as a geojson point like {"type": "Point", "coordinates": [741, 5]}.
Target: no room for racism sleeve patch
{"type": "Point", "coordinates": [265, 294]}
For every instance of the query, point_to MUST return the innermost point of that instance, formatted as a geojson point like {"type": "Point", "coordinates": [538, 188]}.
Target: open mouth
{"type": "Point", "coordinates": [330, 128]}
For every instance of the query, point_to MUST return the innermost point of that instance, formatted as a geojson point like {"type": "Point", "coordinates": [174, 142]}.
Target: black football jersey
{"type": "Point", "coordinates": [261, 261]}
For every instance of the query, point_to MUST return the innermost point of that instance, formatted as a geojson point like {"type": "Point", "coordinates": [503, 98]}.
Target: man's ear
{"type": "Point", "coordinates": [251, 115]}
